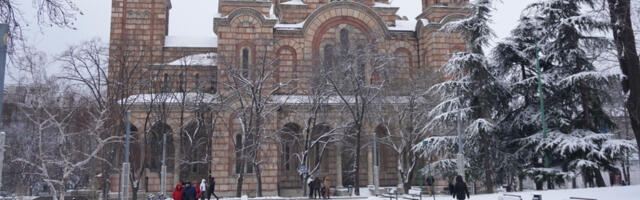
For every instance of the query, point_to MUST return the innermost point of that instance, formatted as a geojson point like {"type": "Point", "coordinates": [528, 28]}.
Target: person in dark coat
{"type": "Point", "coordinates": [189, 192]}
{"type": "Point", "coordinates": [451, 186]}
{"type": "Point", "coordinates": [212, 188]}
{"type": "Point", "coordinates": [460, 189]}
{"type": "Point", "coordinates": [316, 187]}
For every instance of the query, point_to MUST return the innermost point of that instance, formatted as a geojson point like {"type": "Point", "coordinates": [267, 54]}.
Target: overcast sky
{"type": "Point", "coordinates": [195, 18]}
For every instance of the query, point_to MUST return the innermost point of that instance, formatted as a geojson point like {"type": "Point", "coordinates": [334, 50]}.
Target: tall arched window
{"type": "Point", "coordinates": [245, 62]}
{"type": "Point", "coordinates": [181, 82]}
{"type": "Point", "coordinates": [344, 41]}
{"type": "Point", "coordinates": [328, 58]}
{"type": "Point", "coordinates": [165, 86]}
{"type": "Point", "coordinates": [197, 83]}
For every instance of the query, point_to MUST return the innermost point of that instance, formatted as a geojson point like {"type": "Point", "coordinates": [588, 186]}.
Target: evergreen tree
{"type": "Point", "coordinates": [473, 91]}
{"type": "Point", "coordinates": [573, 93]}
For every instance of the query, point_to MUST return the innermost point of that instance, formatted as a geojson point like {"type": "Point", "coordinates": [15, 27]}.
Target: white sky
{"type": "Point", "coordinates": [195, 18]}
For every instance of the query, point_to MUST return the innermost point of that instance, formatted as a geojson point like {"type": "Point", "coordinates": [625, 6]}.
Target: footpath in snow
{"type": "Point", "coordinates": [605, 193]}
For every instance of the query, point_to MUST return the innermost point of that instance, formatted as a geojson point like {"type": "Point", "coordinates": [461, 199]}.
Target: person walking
{"type": "Point", "coordinates": [198, 191]}
{"type": "Point", "coordinates": [327, 185]}
{"type": "Point", "coordinates": [212, 188]}
{"type": "Point", "coordinates": [189, 192]}
{"type": "Point", "coordinates": [323, 190]}
{"type": "Point", "coordinates": [460, 189]}
{"type": "Point", "coordinates": [316, 187]}
{"type": "Point", "coordinates": [451, 186]}
{"type": "Point", "coordinates": [177, 193]}
{"type": "Point", "coordinates": [310, 184]}
{"type": "Point", "coordinates": [203, 189]}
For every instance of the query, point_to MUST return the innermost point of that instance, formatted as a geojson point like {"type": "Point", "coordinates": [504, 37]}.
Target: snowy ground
{"type": "Point", "coordinates": [606, 193]}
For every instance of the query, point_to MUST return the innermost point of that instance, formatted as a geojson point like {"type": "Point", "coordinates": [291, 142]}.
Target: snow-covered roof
{"type": "Point", "coordinates": [404, 25]}
{"type": "Point", "coordinates": [204, 59]}
{"type": "Point", "coordinates": [289, 26]}
{"type": "Point", "coordinates": [305, 99]}
{"type": "Point", "coordinates": [294, 2]}
{"type": "Point", "coordinates": [170, 98]}
{"type": "Point", "coordinates": [383, 5]}
{"type": "Point", "coordinates": [191, 41]}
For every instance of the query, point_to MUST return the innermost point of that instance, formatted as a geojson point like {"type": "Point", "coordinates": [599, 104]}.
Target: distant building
{"type": "Point", "coordinates": [299, 32]}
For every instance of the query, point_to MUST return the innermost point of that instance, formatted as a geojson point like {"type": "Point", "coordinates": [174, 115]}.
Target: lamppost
{"type": "Point", "coordinates": [544, 121]}
{"type": "Point", "coordinates": [460, 156]}
{"type": "Point", "coordinates": [125, 166]}
{"type": "Point", "coordinates": [4, 30]}
{"type": "Point", "coordinates": [376, 182]}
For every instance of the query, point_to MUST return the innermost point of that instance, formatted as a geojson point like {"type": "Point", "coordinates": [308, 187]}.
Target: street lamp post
{"type": "Point", "coordinates": [460, 156]}
{"type": "Point", "coordinates": [125, 166]}
{"type": "Point", "coordinates": [4, 30]}
{"type": "Point", "coordinates": [376, 181]}
{"type": "Point", "coordinates": [544, 121]}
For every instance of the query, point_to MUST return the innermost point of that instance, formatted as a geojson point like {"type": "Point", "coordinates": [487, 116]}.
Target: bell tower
{"type": "Point", "coordinates": [437, 46]}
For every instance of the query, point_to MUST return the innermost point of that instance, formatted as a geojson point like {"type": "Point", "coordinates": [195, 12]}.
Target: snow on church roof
{"type": "Point", "coordinates": [191, 41]}
{"type": "Point", "coordinates": [205, 59]}
{"type": "Point", "coordinates": [404, 25]}
{"type": "Point", "coordinates": [294, 2]}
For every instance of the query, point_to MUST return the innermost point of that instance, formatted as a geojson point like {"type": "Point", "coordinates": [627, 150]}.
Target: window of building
{"type": "Point", "coordinates": [239, 159]}
{"type": "Point", "coordinates": [328, 58]}
{"type": "Point", "coordinates": [181, 82]}
{"type": "Point", "coordinates": [197, 82]}
{"type": "Point", "coordinates": [344, 41]}
{"type": "Point", "coordinates": [245, 62]}
{"type": "Point", "coordinates": [214, 82]}
{"type": "Point", "coordinates": [165, 82]}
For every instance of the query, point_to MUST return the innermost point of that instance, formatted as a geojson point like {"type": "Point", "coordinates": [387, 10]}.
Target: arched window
{"type": "Point", "coordinates": [344, 41]}
{"type": "Point", "coordinates": [328, 58]}
{"type": "Point", "coordinates": [197, 82]}
{"type": "Point", "coordinates": [165, 86]}
{"type": "Point", "coordinates": [181, 82]}
{"type": "Point", "coordinates": [213, 88]}
{"type": "Point", "coordinates": [426, 61]}
{"type": "Point", "coordinates": [245, 62]}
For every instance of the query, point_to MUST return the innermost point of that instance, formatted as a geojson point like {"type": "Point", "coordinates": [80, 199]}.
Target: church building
{"type": "Point", "coordinates": [159, 76]}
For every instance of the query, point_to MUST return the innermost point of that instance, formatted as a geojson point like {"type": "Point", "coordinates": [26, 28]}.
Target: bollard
{"type": "Point", "coordinates": [537, 197]}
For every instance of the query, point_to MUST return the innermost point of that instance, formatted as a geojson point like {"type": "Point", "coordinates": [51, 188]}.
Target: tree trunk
{"type": "Point", "coordinates": [620, 15]}
{"type": "Point", "coordinates": [357, 163]}
{"type": "Point", "coordinates": [239, 184]}
{"type": "Point", "coordinates": [258, 179]}
{"type": "Point", "coordinates": [599, 179]}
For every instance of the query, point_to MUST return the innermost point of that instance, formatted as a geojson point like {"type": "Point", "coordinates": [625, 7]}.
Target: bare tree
{"type": "Point", "coordinates": [352, 79]}
{"type": "Point", "coordinates": [623, 35]}
{"type": "Point", "coordinates": [67, 134]}
{"type": "Point", "coordinates": [61, 13]}
{"type": "Point", "coordinates": [404, 114]}
{"type": "Point", "coordinates": [251, 89]}
{"type": "Point", "coordinates": [307, 145]}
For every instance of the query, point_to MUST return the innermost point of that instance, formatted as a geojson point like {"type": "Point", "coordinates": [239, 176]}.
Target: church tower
{"type": "Point", "coordinates": [436, 46]}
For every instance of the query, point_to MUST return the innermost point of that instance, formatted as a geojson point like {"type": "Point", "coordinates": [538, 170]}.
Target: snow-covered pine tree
{"type": "Point", "coordinates": [472, 90]}
{"type": "Point", "coordinates": [572, 90]}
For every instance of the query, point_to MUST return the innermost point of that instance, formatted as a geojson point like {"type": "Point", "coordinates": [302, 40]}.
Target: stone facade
{"type": "Point", "coordinates": [294, 31]}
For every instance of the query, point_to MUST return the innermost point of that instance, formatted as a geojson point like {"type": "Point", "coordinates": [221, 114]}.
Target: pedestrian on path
{"type": "Point", "coordinates": [177, 193]}
{"type": "Point", "coordinates": [310, 184]}
{"type": "Point", "coordinates": [327, 185]}
{"type": "Point", "coordinates": [316, 187]}
{"type": "Point", "coordinates": [189, 192]}
{"type": "Point", "coordinates": [460, 189]}
{"type": "Point", "coordinates": [212, 188]}
{"type": "Point", "coordinates": [203, 189]}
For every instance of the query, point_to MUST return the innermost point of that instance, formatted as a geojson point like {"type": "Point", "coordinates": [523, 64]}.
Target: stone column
{"type": "Point", "coordinates": [338, 165]}
{"type": "Point", "coordinates": [370, 166]}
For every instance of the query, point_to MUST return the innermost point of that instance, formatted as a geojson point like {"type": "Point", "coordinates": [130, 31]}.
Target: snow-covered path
{"type": "Point", "coordinates": [606, 193]}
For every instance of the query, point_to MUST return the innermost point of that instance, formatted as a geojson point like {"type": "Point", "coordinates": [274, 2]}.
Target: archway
{"type": "Point", "coordinates": [194, 159]}
{"type": "Point", "coordinates": [155, 147]}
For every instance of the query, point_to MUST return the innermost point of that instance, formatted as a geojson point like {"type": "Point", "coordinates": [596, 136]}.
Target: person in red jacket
{"type": "Point", "coordinates": [177, 193]}
{"type": "Point", "coordinates": [198, 191]}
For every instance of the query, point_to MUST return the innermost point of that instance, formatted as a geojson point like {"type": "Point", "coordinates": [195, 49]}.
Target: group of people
{"type": "Point", "coordinates": [319, 187]}
{"type": "Point", "coordinates": [459, 190]}
{"type": "Point", "coordinates": [192, 191]}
